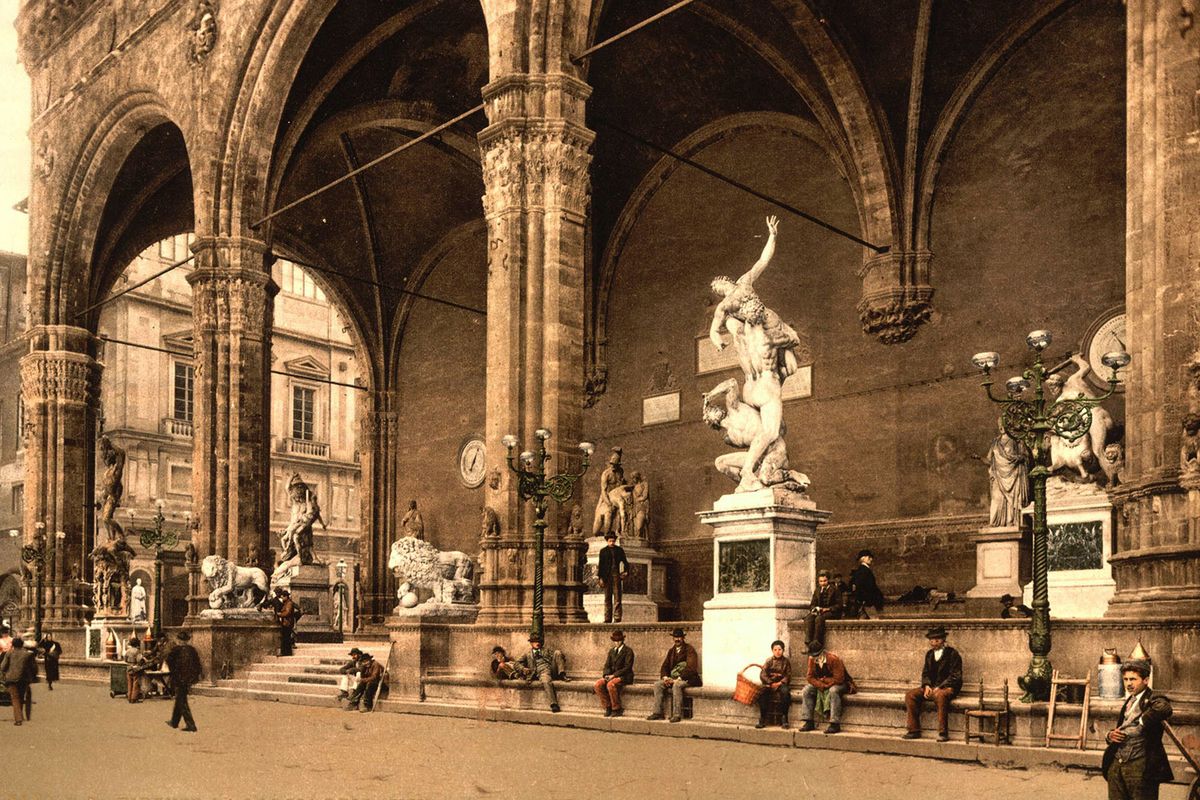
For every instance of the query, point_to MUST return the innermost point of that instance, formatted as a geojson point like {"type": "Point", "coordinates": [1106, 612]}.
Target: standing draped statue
{"type": "Point", "coordinates": [1008, 470]}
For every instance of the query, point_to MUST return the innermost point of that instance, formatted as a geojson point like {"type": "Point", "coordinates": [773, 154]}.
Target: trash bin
{"type": "Point", "coordinates": [118, 681]}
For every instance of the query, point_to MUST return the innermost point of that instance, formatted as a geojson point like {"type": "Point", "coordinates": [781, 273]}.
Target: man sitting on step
{"type": "Point", "coordinates": [349, 680]}
{"type": "Point", "coordinates": [370, 676]}
{"type": "Point", "coordinates": [541, 664]}
{"type": "Point", "coordinates": [941, 680]}
{"type": "Point", "coordinates": [828, 683]}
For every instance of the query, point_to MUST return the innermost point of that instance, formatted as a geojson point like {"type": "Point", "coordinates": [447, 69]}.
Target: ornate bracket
{"type": "Point", "coordinates": [897, 297]}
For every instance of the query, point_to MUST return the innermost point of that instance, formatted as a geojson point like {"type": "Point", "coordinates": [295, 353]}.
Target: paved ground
{"type": "Point", "coordinates": [81, 744]}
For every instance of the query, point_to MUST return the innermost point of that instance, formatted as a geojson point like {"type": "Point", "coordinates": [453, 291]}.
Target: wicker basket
{"type": "Point", "coordinates": [747, 691]}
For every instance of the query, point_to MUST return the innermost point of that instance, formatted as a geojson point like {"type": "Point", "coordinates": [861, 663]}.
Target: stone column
{"type": "Point", "coordinates": [535, 171]}
{"type": "Point", "coordinates": [1156, 563]}
{"type": "Point", "coordinates": [378, 448]}
{"type": "Point", "coordinates": [60, 386]}
{"type": "Point", "coordinates": [232, 305]}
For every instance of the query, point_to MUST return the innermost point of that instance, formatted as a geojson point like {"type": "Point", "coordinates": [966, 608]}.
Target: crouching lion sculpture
{"type": "Point", "coordinates": [449, 575]}
{"type": "Point", "coordinates": [233, 586]}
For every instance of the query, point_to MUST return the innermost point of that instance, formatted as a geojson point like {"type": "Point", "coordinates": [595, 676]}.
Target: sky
{"type": "Point", "coordinates": [14, 139]}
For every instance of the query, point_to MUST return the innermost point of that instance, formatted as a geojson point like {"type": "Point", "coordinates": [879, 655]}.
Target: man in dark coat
{"type": "Point", "coordinates": [51, 652]}
{"type": "Point", "coordinates": [618, 672]}
{"type": "Point", "coordinates": [680, 669]}
{"type": "Point", "coordinates": [17, 671]}
{"type": "Point", "coordinates": [863, 586]}
{"type": "Point", "coordinates": [288, 615]}
{"type": "Point", "coordinates": [184, 664]}
{"type": "Point", "coordinates": [826, 604]}
{"type": "Point", "coordinates": [370, 678]}
{"type": "Point", "coordinates": [1011, 610]}
{"type": "Point", "coordinates": [613, 569]}
{"type": "Point", "coordinates": [1135, 762]}
{"type": "Point", "coordinates": [776, 678]}
{"type": "Point", "coordinates": [941, 680]}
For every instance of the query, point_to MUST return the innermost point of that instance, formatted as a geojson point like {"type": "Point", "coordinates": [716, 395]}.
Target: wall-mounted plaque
{"type": "Point", "coordinates": [660, 408]}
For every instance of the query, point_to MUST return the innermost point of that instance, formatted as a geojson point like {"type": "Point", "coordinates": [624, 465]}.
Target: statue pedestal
{"type": "Point", "coordinates": [309, 586]}
{"type": "Point", "coordinates": [230, 639]}
{"type": "Point", "coordinates": [644, 590]}
{"type": "Point", "coordinates": [997, 562]}
{"type": "Point", "coordinates": [764, 571]}
{"type": "Point", "coordinates": [1079, 519]}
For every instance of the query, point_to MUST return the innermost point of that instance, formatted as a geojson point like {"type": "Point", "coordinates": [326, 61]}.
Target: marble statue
{"type": "Point", "coordinates": [490, 524]}
{"type": "Point", "coordinates": [296, 541]}
{"type": "Point", "coordinates": [641, 507]}
{"type": "Point", "coordinates": [137, 602]}
{"type": "Point", "coordinates": [233, 586]}
{"type": "Point", "coordinates": [413, 524]}
{"type": "Point", "coordinates": [575, 523]}
{"type": "Point", "coordinates": [1008, 471]}
{"type": "Point", "coordinates": [111, 556]}
{"type": "Point", "coordinates": [449, 575]}
{"type": "Point", "coordinates": [742, 426]}
{"type": "Point", "coordinates": [1079, 455]}
{"type": "Point", "coordinates": [341, 594]}
{"type": "Point", "coordinates": [766, 350]}
{"type": "Point", "coordinates": [612, 506]}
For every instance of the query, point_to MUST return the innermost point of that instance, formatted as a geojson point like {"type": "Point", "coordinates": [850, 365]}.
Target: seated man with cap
{"type": "Point", "coordinates": [941, 680]}
{"type": "Point", "coordinates": [1012, 610]}
{"type": "Point", "coordinates": [1135, 762]}
{"type": "Point", "coordinates": [680, 669]}
{"type": "Point", "coordinates": [618, 672]}
{"type": "Point", "coordinates": [503, 667]}
{"type": "Point", "coordinates": [349, 671]}
{"type": "Point", "coordinates": [827, 684]}
{"type": "Point", "coordinates": [370, 678]}
{"type": "Point", "coordinates": [546, 666]}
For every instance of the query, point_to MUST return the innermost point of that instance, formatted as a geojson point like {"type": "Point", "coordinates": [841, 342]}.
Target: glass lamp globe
{"type": "Point", "coordinates": [587, 447]}
{"type": "Point", "coordinates": [1039, 340]}
{"type": "Point", "coordinates": [527, 457]}
{"type": "Point", "coordinates": [1016, 385]}
{"type": "Point", "coordinates": [542, 433]}
{"type": "Point", "coordinates": [1115, 360]}
{"type": "Point", "coordinates": [509, 441]}
{"type": "Point", "coordinates": [986, 361]}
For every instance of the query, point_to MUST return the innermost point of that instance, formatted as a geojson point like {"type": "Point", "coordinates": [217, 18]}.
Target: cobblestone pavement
{"type": "Point", "coordinates": [82, 744]}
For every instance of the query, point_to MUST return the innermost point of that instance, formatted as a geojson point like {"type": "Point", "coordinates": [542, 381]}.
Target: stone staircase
{"type": "Point", "coordinates": [308, 677]}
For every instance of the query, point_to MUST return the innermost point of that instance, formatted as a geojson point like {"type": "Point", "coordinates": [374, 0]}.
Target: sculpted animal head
{"type": "Point", "coordinates": [215, 569]}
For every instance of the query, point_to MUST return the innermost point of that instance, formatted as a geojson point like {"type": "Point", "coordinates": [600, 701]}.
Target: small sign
{"type": "Point", "coordinates": [798, 384]}
{"type": "Point", "coordinates": [709, 359]}
{"type": "Point", "coordinates": [660, 408]}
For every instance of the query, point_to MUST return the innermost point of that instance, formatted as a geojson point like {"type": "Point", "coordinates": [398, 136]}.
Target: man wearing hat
{"type": "Point", "coordinates": [183, 662]}
{"type": "Point", "coordinates": [680, 669]}
{"type": "Point", "coordinates": [618, 672]}
{"type": "Point", "coordinates": [1013, 611]}
{"type": "Point", "coordinates": [370, 677]}
{"type": "Point", "coordinates": [941, 680]}
{"type": "Point", "coordinates": [349, 671]}
{"type": "Point", "coordinates": [1135, 762]}
{"type": "Point", "coordinates": [543, 665]}
{"type": "Point", "coordinates": [826, 604]}
{"type": "Point", "coordinates": [287, 614]}
{"type": "Point", "coordinates": [828, 683]}
{"type": "Point", "coordinates": [613, 568]}
{"type": "Point", "coordinates": [863, 586]}
{"type": "Point", "coordinates": [17, 671]}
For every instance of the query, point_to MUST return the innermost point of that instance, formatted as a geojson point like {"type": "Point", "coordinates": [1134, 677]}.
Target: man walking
{"type": "Point", "coordinates": [51, 652]}
{"type": "Point", "coordinates": [540, 664]}
{"type": "Point", "coordinates": [613, 569]}
{"type": "Point", "coordinates": [827, 685]}
{"type": "Point", "coordinates": [17, 671]}
{"type": "Point", "coordinates": [680, 669]}
{"type": "Point", "coordinates": [184, 664]}
{"type": "Point", "coordinates": [1135, 762]}
{"type": "Point", "coordinates": [941, 680]}
{"type": "Point", "coordinates": [618, 672]}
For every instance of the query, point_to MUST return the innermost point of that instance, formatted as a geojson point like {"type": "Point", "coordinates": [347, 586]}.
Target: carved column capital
{"type": "Point", "coordinates": [897, 297]}
{"type": "Point", "coordinates": [60, 376]}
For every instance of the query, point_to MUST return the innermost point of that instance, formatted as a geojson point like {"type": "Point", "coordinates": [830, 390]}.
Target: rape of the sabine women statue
{"type": "Point", "coordinates": [766, 349]}
{"type": "Point", "coordinates": [296, 541]}
{"type": "Point", "coordinates": [110, 557]}
{"type": "Point", "coordinates": [1088, 459]}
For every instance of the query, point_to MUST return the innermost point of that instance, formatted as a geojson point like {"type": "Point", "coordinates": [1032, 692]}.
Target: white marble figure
{"type": "Point", "coordinates": [641, 507]}
{"type": "Point", "coordinates": [449, 575]}
{"type": "Point", "coordinates": [413, 524]}
{"type": "Point", "coordinates": [766, 350]}
{"type": "Point", "coordinates": [1076, 456]}
{"type": "Point", "coordinates": [296, 541]}
{"type": "Point", "coordinates": [612, 504]}
{"type": "Point", "coordinates": [233, 586]}
{"type": "Point", "coordinates": [742, 425]}
{"type": "Point", "coordinates": [1008, 470]}
{"type": "Point", "coordinates": [137, 602]}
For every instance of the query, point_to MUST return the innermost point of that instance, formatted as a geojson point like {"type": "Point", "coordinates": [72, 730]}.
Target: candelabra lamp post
{"type": "Point", "coordinates": [160, 540]}
{"type": "Point", "coordinates": [1032, 419]}
{"type": "Point", "coordinates": [533, 484]}
{"type": "Point", "coordinates": [36, 554]}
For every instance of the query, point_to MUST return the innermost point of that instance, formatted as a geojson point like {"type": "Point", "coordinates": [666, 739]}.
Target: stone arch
{"type": "Point", "coordinates": [955, 111]}
{"type": "Point", "coordinates": [662, 170]}
{"type": "Point", "coordinates": [70, 271]}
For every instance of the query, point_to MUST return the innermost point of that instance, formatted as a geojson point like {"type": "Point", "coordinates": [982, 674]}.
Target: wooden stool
{"type": "Point", "coordinates": [1001, 720]}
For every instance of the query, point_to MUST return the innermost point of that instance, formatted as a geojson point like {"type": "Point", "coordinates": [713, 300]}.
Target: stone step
{"type": "Point", "coordinates": [287, 687]}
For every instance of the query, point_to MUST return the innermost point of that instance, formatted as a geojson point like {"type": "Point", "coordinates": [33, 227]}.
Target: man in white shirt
{"type": "Point", "coordinates": [1135, 762]}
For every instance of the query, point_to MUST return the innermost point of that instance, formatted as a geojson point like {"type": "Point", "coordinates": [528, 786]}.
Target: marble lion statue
{"type": "Point", "coordinates": [233, 586]}
{"type": "Point", "coordinates": [449, 575]}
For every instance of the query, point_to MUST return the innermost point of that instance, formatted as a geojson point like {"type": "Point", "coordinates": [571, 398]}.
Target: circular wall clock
{"type": "Point", "coordinates": [1105, 335]}
{"type": "Point", "coordinates": [472, 462]}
